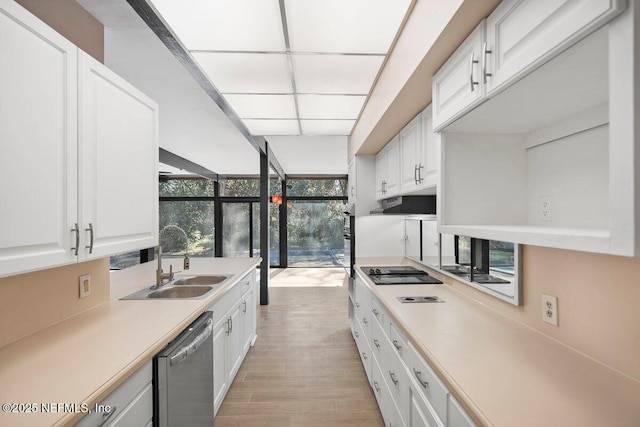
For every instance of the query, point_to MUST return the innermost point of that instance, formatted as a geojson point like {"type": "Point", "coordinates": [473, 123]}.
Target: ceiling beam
{"type": "Point", "coordinates": [168, 158]}
{"type": "Point", "coordinates": [162, 31]}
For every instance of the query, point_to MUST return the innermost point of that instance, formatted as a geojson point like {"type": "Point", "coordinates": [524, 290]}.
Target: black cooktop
{"type": "Point", "coordinates": [399, 275]}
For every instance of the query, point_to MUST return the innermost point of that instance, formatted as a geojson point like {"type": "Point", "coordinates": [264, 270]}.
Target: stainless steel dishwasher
{"type": "Point", "coordinates": [183, 378]}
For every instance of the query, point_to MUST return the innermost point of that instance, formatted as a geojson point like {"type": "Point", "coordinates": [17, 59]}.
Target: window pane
{"type": "Point", "coordinates": [322, 187]}
{"type": "Point", "coordinates": [124, 260]}
{"type": "Point", "coordinates": [196, 219]}
{"type": "Point", "coordinates": [315, 234]}
{"type": "Point", "coordinates": [235, 229]}
{"type": "Point", "coordinates": [240, 187]}
{"type": "Point", "coordinates": [274, 233]}
{"type": "Point", "coordinates": [187, 188]}
{"type": "Point", "coordinates": [501, 257]}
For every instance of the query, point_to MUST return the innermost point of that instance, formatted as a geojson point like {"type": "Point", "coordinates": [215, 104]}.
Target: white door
{"type": "Point", "coordinates": [392, 186]}
{"type": "Point", "coordinates": [38, 143]}
{"type": "Point", "coordinates": [118, 166]}
{"type": "Point", "coordinates": [410, 154]}
{"type": "Point", "coordinates": [381, 174]}
{"type": "Point", "coordinates": [430, 153]}
{"type": "Point", "coordinates": [220, 363]}
{"type": "Point", "coordinates": [522, 34]}
{"type": "Point", "coordinates": [235, 341]}
{"type": "Point", "coordinates": [457, 86]}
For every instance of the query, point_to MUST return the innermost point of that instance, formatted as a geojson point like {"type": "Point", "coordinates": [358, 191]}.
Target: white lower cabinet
{"type": "Point", "coordinates": [131, 404]}
{"type": "Point", "coordinates": [234, 317]}
{"type": "Point", "coordinates": [408, 391]}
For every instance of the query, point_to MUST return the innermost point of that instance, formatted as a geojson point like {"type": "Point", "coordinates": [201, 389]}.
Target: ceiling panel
{"type": "Point", "coordinates": [326, 127]}
{"type": "Point", "coordinates": [330, 106]}
{"type": "Point", "coordinates": [272, 127]}
{"type": "Point", "coordinates": [337, 74]}
{"type": "Point", "coordinates": [247, 25]}
{"type": "Point", "coordinates": [353, 26]}
{"type": "Point", "coordinates": [262, 106]}
{"type": "Point", "coordinates": [246, 72]}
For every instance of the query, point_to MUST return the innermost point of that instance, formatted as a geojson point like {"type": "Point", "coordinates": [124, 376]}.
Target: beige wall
{"type": "Point", "coordinates": [72, 21]}
{"type": "Point", "coordinates": [598, 303]}
{"type": "Point", "coordinates": [33, 301]}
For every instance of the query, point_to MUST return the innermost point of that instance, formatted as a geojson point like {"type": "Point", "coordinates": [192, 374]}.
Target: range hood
{"type": "Point", "coordinates": [407, 205]}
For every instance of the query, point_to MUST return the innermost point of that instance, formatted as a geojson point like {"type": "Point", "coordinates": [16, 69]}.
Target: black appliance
{"type": "Point", "coordinates": [407, 205]}
{"type": "Point", "coordinates": [399, 275]}
{"type": "Point", "coordinates": [349, 234]}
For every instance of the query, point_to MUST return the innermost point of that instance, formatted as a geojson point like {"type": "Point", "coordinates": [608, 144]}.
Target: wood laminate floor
{"type": "Point", "coordinates": [304, 369]}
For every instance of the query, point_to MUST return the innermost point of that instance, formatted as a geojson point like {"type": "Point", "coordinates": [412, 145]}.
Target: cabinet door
{"type": "Point", "coordinates": [412, 236]}
{"type": "Point", "coordinates": [522, 34]}
{"type": "Point", "coordinates": [381, 173]}
{"type": "Point", "coordinates": [235, 341]}
{"type": "Point", "coordinates": [352, 181]}
{"type": "Point", "coordinates": [421, 412]}
{"type": "Point", "coordinates": [457, 86]}
{"type": "Point", "coordinates": [118, 163]}
{"type": "Point", "coordinates": [248, 307]}
{"type": "Point", "coordinates": [392, 187]}
{"type": "Point", "coordinates": [38, 142]}
{"type": "Point", "coordinates": [410, 154]}
{"type": "Point", "coordinates": [220, 363]}
{"type": "Point", "coordinates": [429, 159]}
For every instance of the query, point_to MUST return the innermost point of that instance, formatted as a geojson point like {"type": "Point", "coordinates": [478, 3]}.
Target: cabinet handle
{"type": "Point", "coordinates": [420, 178]}
{"type": "Point", "coordinates": [90, 230]}
{"type": "Point", "coordinates": [357, 334]}
{"type": "Point", "coordinates": [375, 312]}
{"type": "Point", "coordinates": [107, 415]}
{"type": "Point", "coordinates": [471, 62]}
{"type": "Point", "coordinates": [76, 229]}
{"type": "Point", "coordinates": [244, 310]}
{"type": "Point", "coordinates": [484, 63]}
{"type": "Point", "coordinates": [357, 305]}
{"type": "Point", "coordinates": [393, 378]}
{"type": "Point", "coordinates": [228, 327]}
{"type": "Point", "coordinates": [364, 355]}
{"type": "Point", "coordinates": [375, 385]}
{"type": "Point", "coordinates": [352, 190]}
{"type": "Point", "coordinates": [418, 375]}
{"type": "Point", "coordinates": [377, 344]}
{"type": "Point", "coordinates": [364, 320]}
{"type": "Point", "coordinates": [396, 345]}
{"type": "Point", "coordinates": [231, 325]}
{"type": "Point", "coordinates": [415, 174]}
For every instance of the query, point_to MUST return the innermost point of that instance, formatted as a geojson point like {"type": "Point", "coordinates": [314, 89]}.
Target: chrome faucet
{"type": "Point", "coordinates": [160, 275]}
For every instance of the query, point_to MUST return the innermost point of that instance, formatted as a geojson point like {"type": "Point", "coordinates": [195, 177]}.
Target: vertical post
{"type": "Point", "coordinates": [217, 220]}
{"type": "Point", "coordinates": [264, 226]}
{"type": "Point", "coordinates": [284, 258]}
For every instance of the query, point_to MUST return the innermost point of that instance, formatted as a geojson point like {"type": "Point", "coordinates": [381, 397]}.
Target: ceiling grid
{"type": "Point", "coordinates": [289, 67]}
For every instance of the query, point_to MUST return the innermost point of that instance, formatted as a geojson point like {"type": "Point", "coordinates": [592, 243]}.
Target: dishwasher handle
{"type": "Point", "coordinates": [186, 351]}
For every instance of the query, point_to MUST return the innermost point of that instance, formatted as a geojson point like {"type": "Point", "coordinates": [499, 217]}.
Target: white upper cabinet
{"type": "Point", "coordinates": [388, 170]}
{"type": "Point", "coordinates": [430, 156]}
{"type": "Point", "coordinates": [458, 86]}
{"type": "Point", "coordinates": [38, 143]}
{"type": "Point", "coordinates": [549, 160]}
{"type": "Point", "coordinates": [79, 148]}
{"type": "Point", "coordinates": [411, 154]}
{"type": "Point", "coordinates": [522, 34]}
{"type": "Point", "coordinates": [352, 182]}
{"type": "Point", "coordinates": [118, 166]}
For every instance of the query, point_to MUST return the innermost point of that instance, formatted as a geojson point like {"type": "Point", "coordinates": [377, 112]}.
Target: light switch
{"type": "Point", "coordinates": [85, 286]}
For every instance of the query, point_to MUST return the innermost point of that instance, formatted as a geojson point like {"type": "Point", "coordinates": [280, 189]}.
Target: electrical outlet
{"type": "Point", "coordinates": [85, 286]}
{"type": "Point", "coordinates": [550, 309]}
{"type": "Point", "coordinates": [546, 208]}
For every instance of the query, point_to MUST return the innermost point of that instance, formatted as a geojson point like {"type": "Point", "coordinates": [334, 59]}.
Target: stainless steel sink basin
{"type": "Point", "coordinates": [179, 292]}
{"type": "Point", "coordinates": [204, 280]}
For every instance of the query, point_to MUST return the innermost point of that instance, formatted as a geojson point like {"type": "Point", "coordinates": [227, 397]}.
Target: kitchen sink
{"type": "Point", "coordinates": [180, 292]}
{"type": "Point", "coordinates": [204, 280]}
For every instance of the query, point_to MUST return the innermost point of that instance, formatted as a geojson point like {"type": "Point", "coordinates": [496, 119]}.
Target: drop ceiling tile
{"type": "Point", "coordinates": [253, 25]}
{"type": "Point", "coordinates": [262, 106]}
{"type": "Point", "coordinates": [272, 127]}
{"type": "Point", "coordinates": [327, 127]}
{"type": "Point", "coordinates": [354, 26]}
{"type": "Point", "coordinates": [335, 74]}
{"type": "Point", "coordinates": [330, 106]}
{"type": "Point", "coordinates": [246, 72]}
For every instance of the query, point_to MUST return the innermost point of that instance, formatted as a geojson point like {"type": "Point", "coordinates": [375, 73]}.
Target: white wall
{"type": "Point", "coordinates": [379, 235]}
{"type": "Point", "coordinates": [316, 155]}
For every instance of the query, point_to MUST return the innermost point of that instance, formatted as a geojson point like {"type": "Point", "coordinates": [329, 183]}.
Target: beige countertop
{"type": "Point", "coordinates": [82, 359]}
{"type": "Point", "coordinates": [505, 373]}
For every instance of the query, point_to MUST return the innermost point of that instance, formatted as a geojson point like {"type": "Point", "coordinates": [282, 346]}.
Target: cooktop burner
{"type": "Point", "coordinates": [399, 275]}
